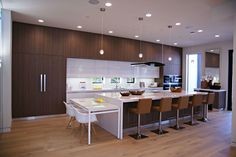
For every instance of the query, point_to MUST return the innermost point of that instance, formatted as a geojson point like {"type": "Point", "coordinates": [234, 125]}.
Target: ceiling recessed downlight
{"type": "Point", "coordinates": [108, 4]}
{"type": "Point", "coordinates": [136, 36]}
{"type": "Point", "coordinates": [79, 27]}
{"type": "Point", "coordinates": [175, 43]}
{"type": "Point", "coordinates": [200, 30]}
{"type": "Point", "coordinates": [178, 24]}
{"type": "Point", "coordinates": [110, 32]}
{"type": "Point", "coordinates": [40, 20]}
{"type": "Point", "coordinates": [217, 35]}
{"type": "Point", "coordinates": [158, 40]}
{"type": "Point", "coordinates": [148, 15]}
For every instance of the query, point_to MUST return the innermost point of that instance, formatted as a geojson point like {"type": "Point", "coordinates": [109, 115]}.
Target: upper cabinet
{"type": "Point", "coordinates": [212, 60]}
{"type": "Point", "coordinates": [173, 60]}
{"type": "Point", "coordinates": [34, 39]}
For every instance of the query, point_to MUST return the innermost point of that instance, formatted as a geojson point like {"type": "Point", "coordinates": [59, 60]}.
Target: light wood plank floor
{"type": "Point", "coordinates": [49, 137]}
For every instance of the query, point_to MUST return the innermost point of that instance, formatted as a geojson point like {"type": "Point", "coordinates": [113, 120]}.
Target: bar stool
{"type": "Point", "coordinates": [209, 100]}
{"type": "Point", "coordinates": [196, 101]}
{"type": "Point", "coordinates": [143, 107]}
{"type": "Point", "coordinates": [165, 106]}
{"type": "Point", "coordinates": [182, 103]}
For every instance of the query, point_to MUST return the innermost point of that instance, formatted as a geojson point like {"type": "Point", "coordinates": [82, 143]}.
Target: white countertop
{"type": "Point", "coordinates": [210, 90]}
{"type": "Point", "coordinates": [153, 96]}
{"type": "Point", "coordinates": [91, 105]}
{"type": "Point", "coordinates": [111, 90]}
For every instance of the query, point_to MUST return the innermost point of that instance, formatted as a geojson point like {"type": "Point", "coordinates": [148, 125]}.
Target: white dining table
{"type": "Point", "coordinates": [94, 108]}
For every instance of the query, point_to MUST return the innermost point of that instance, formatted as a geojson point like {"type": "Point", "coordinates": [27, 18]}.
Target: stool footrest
{"type": "Point", "coordinates": [159, 132]}
{"type": "Point", "coordinates": [138, 136]}
{"type": "Point", "coordinates": [203, 119]}
{"type": "Point", "coordinates": [177, 128]}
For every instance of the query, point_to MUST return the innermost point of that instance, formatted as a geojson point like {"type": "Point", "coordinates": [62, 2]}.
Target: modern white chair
{"type": "Point", "coordinates": [82, 118]}
{"type": "Point", "coordinates": [70, 112]}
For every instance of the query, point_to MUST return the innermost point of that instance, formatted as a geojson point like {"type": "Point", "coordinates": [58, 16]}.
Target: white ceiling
{"type": "Point", "coordinates": [213, 16]}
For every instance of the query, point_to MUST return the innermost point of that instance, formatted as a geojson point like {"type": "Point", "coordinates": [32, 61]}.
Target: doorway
{"type": "Point", "coordinates": [230, 79]}
{"type": "Point", "coordinates": [193, 71]}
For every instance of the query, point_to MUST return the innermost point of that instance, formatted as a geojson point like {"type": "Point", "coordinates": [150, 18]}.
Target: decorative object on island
{"type": "Point", "coordinates": [125, 93]}
{"type": "Point", "coordinates": [176, 90]}
{"type": "Point", "coordinates": [137, 92]}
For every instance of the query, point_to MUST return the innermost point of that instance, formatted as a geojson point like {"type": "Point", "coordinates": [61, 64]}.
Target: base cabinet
{"type": "Point", "coordinates": [38, 85]}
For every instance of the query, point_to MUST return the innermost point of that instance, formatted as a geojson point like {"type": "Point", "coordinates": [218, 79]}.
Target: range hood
{"type": "Point", "coordinates": [155, 64]}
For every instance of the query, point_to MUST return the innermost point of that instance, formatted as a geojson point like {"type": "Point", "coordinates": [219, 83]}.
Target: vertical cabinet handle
{"type": "Point", "coordinates": [41, 82]}
{"type": "Point", "coordinates": [45, 82]}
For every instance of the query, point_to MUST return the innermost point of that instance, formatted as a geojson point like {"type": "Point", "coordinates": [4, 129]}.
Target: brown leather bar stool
{"type": "Point", "coordinates": [143, 107]}
{"type": "Point", "coordinates": [209, 100]}
{"type": "Point", "coordinates": [165, 106]}
{"type": "Point", "coordinates": [196, 101]}
{"type": "Point", "coordinates": [181, 104]}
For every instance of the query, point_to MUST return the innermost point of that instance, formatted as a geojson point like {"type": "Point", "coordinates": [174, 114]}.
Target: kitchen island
{"type": "Point", "coordinates": [109, 121]}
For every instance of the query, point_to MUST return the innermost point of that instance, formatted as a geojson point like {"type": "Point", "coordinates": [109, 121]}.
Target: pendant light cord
{"type": "Point", "coordinates": [102, 33]}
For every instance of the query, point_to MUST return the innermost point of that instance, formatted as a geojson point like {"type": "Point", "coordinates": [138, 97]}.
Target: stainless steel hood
{"type": "Point", "coordinates": [156, 64]}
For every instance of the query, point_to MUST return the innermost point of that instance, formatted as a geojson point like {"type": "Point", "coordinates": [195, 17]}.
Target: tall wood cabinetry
{"type": "Point", "coordinates": [42, 51]}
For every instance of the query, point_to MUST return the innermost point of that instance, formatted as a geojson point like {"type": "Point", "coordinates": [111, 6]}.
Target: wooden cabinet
{"type": "Point", "coordinates": [38, 85]}
{"type": "Point", "coordinates": [212, 60]}
{"type": "Point", "coordinates": [173, 60]}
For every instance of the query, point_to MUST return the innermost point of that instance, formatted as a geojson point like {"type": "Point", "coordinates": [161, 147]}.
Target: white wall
{"type": "Point", "coordinates": [5, 106]}
{"type": "Point", "coordinates": [234, 90]}
{"type": "Point", "coordinates": [223, 48]}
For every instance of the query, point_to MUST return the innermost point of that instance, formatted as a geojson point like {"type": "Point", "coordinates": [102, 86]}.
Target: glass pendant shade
{"type": "Point", "coordinates": [101, 52]}
{"type": "Point", "coordinates": [140, 55]}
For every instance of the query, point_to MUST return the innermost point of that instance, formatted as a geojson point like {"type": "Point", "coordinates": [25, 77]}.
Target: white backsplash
{"type": "Point", "coordinates": [75, 83]}
{"type": "Point", "coordinates": [87, 68]}
{"type": "Point", "coordinates": [214, 72]}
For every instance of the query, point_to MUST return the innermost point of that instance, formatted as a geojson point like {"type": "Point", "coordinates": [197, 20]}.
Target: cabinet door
{"type": "Point", "coordinates": [26, 85]}
{"type": "Point", "coordinates": [55, 85]}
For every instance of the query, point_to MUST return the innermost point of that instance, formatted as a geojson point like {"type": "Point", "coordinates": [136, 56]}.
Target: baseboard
{"type": "Point", "coordinates": [39, 117]}
{"type": "Point", "coordinates": [5, 130]}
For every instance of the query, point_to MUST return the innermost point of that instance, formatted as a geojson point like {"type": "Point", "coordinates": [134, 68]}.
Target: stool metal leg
{"type": "Point", "coordinates": [138, 135]}
{"type": "Point", "coordinates": [203, 119]}
{"type": "Point", "coordinates": [192, 120]}
{"type": "Point", "coordinates": [160, 131]}
{"type": "Point", "coordinates": [177, 127]}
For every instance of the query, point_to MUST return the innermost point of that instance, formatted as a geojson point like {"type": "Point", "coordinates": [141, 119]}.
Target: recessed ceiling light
{"type": "Point", "coordinates": [40, 20]}
{"type": "Point", "coordinates": [217, 35]}
{"type": "Point", "coordinates": [178, 24]}
{"type": "Point", "coordinates": [200, 30]}
{"type": "Point", "coordinates": [136, 36]}
{"type": "Point", "coordinates": [212, 50]}
{"type": "Point", "coordinates": [175, 43]}
{"type": "Point", "coordinates": [148, 15]}
{"type": "Point", "coordinates": [108, 4]}
{"type": "Point", "coordinates": [158, 40]}
{"type": "Point", "coordinates": [110, 32]}
{"type": "Point", "coordinates": [79, 27]}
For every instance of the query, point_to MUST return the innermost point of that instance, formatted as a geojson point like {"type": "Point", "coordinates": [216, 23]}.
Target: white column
{"type": "Point", "coordinates": [234, 89]}
{"type": "Point", "coordinates": [6, 57]}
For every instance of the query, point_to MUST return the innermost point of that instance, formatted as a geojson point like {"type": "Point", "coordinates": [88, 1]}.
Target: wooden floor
{"type": "Point", "coordinates": [48, 138]}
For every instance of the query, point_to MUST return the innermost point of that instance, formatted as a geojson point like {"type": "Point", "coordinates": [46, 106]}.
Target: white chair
{"type": "Point", "coordinates": [70, 112]}
{"type": "Point", "coordinates": [82, 118]}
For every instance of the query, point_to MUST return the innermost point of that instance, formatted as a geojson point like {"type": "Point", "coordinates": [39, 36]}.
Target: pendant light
{"type": "Point", "coordinates": [170, 41]}
{"type": "Point", "coordinates": [101, 50]}
{"type": "Point", "coordinates": [140, 55]}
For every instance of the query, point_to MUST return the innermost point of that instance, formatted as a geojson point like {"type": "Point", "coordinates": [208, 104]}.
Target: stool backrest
{"type": "Point", "coordinates": [210, 98]}
{"type": "Point", "coordinates": [183, 102]}
{"type": "Point", "coordinates": [144, 106]}
{"type": "Point", "coordinates": [165, 104]}
{"type": "Point", "coordinates": [197, 100]}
